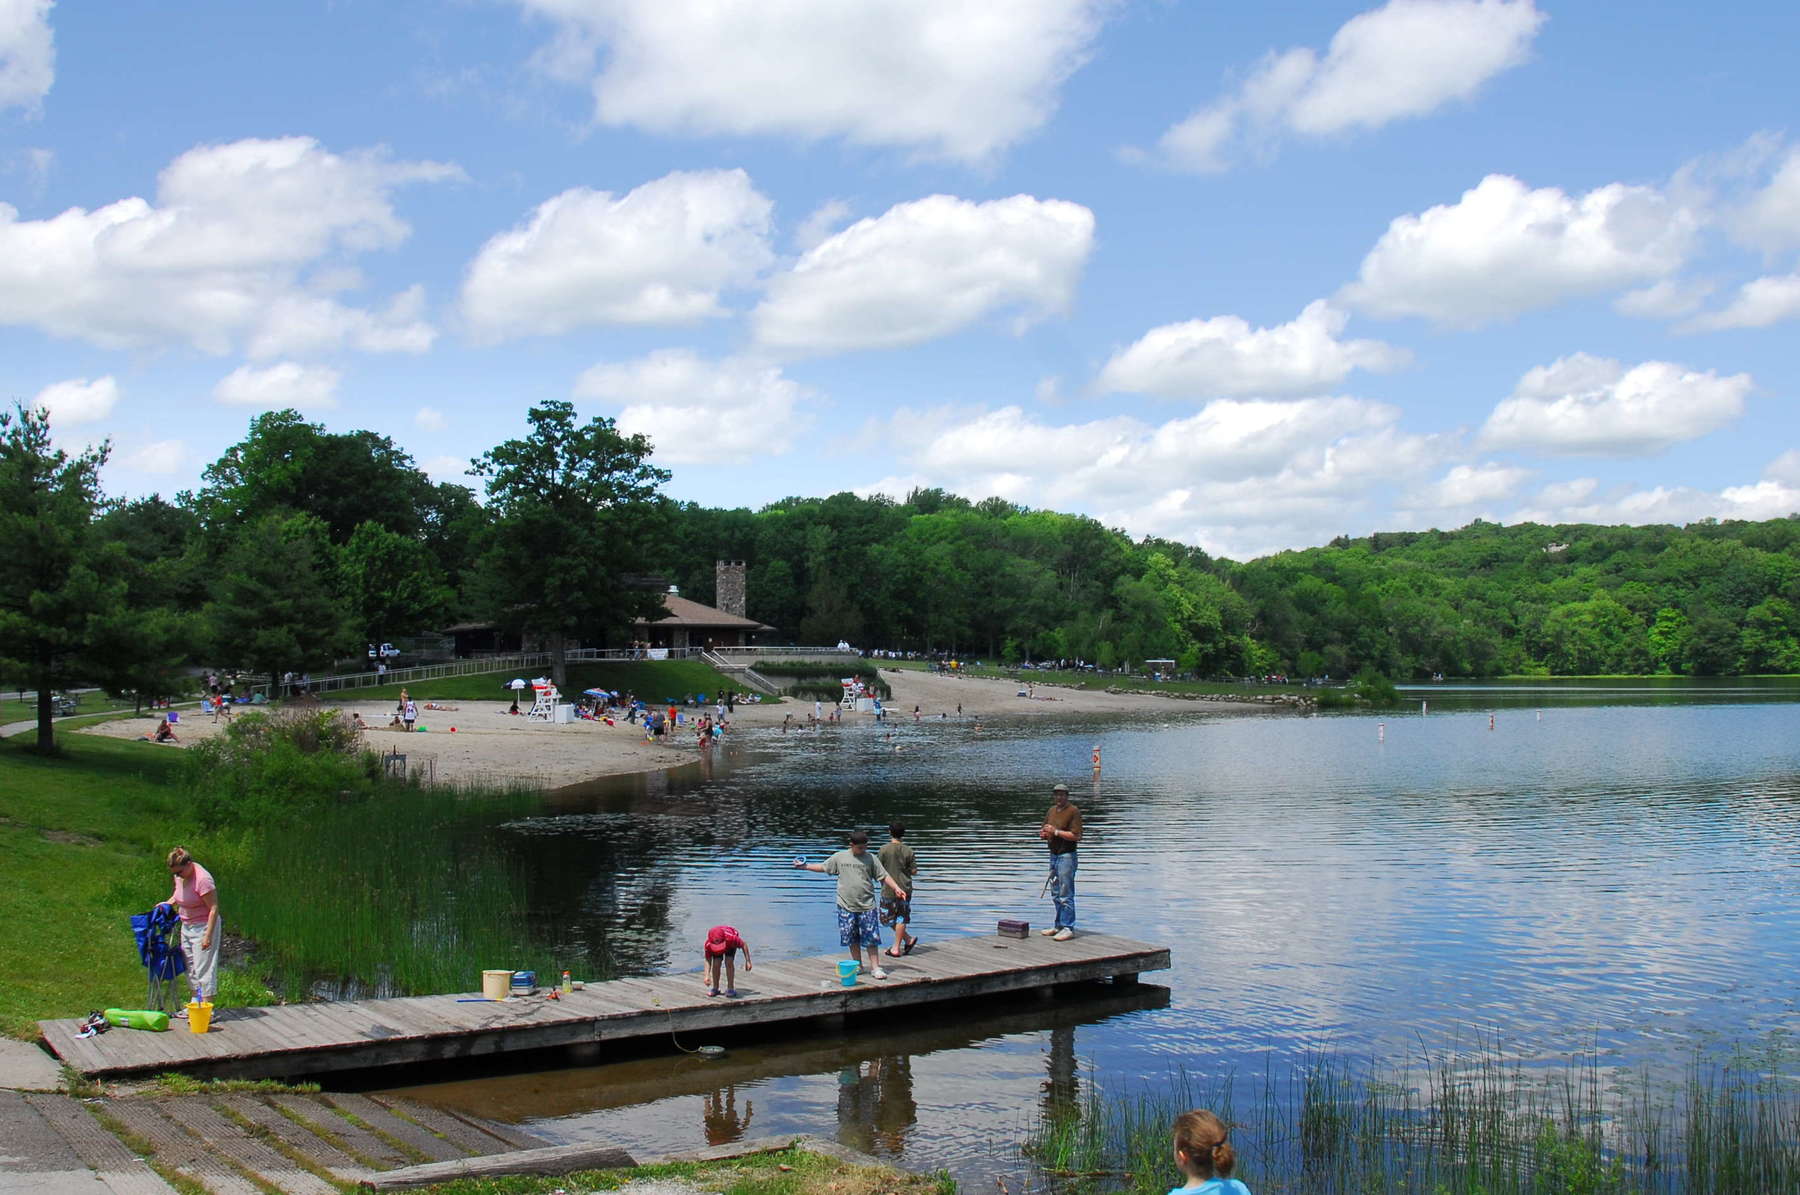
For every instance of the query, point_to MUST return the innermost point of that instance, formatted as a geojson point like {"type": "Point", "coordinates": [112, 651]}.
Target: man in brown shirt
{"type": "Point", "coordinates": [1061, 832]}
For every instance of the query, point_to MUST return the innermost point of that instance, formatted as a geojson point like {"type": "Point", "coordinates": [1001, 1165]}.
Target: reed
{"type": "Point", "coordinates": [1458, 1123]}
{"type": "Point", "coordinates": [401, 893]}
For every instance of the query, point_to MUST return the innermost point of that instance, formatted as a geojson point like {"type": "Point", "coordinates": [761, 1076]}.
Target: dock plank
{"type": "Point", "coordinates": [310, 1039]}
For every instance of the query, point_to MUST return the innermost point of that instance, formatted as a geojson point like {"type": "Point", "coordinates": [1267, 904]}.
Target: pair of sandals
{"type": "Point", "coordinates": [95, 1024]}
{"type": "Point", "coordinates": [911, 941]}
{"type": "Point", "coordinates": [731, 993]}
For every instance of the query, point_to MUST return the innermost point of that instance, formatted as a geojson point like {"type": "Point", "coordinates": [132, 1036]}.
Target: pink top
{"type": "Point", "coordinates": [190, 895]}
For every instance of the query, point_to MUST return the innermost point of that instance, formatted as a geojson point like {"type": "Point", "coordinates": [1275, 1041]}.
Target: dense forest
{"type": "Point", "coordinates": [303, 544]}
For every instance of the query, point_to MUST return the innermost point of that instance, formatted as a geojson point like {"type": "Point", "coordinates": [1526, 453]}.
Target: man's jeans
{"type": "Point", "coordinates": [1062, 888]}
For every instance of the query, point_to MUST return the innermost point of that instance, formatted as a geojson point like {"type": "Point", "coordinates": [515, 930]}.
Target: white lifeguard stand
{"type": "Point", "coordinates": [544, 701]}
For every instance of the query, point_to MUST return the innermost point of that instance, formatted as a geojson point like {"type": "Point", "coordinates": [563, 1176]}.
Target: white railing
{"type": "Point", "coordinates": [520, 662]}
{"type": "Point", "coordinates": [750, 655]}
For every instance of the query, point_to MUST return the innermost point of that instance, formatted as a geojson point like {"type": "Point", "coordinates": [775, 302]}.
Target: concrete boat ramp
{"type": "Point", "coordinates": [299, 1040]}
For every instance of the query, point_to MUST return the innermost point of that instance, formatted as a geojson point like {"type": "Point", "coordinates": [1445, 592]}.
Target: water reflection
{"type": "Point", "coordinates": [1609, 874]}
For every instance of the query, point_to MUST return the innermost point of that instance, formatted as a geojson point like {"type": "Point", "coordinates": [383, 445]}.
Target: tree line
{"type": "Point", "coordinates": [302, 544]}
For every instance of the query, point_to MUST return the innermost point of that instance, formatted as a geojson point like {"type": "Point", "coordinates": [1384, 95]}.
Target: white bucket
{"type": "Point", "coordinates": [496, 985]}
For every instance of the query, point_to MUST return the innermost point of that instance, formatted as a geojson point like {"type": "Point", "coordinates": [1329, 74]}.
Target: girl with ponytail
{"type": "Point", "coordinates": [1203, 1151]}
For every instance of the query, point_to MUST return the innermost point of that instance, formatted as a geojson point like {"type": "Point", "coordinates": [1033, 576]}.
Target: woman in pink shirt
{"type": "Point", "coordinates": [197, 900]}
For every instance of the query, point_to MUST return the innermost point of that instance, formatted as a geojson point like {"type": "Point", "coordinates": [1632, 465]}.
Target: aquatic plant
{"type": "Point", "coordinates": [1463, 1123]}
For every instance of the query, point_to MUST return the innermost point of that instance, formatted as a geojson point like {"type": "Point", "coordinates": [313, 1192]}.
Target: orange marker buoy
{"type": "Point", "coordinates": [1096, 757]}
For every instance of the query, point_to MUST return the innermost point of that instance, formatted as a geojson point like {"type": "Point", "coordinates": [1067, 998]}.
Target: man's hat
{"type": "Point", "coordinates": [1061, 788]}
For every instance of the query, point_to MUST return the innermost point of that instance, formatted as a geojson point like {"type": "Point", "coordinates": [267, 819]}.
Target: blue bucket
{"type": "Point", "coordinates": [847, 969]}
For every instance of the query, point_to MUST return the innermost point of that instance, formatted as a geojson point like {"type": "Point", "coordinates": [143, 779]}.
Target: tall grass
{"type": "Point", "coordinates": [400, 893]}
{"type": "Point", "coordinates": [1461, 1123]}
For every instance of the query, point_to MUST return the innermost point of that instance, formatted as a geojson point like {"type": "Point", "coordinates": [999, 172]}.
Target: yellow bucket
{"type": "Point", "coordinates": [199, 1015]}
{"type": "Point", "coordinates": [496, 985]}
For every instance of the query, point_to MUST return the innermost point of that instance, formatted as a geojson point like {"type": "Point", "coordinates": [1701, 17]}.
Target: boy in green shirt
{"type": "Point", "coordinates": [896, 910]}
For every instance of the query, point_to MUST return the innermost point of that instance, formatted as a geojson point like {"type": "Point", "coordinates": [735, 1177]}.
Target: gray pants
{"type": "Point", "coordinates": [202, 965]}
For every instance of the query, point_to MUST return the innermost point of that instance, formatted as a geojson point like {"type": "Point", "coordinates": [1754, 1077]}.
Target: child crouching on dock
{"type": "Point", "coordinates": [1204, 1154]}
{"type": "Point", "coordinates": [722, 945]}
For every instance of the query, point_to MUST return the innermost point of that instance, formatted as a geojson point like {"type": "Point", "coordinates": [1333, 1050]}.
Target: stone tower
{"type": "Point", "coordinates": [729, 587]}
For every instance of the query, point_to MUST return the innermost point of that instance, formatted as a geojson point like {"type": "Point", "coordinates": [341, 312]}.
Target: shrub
{"type": "Point", "coordinates": [267, 768]}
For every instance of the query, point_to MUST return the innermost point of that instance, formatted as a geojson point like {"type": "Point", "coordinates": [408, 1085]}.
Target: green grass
{"type": "Point", "coordinates": [652, 680]}
{"type": "Point", "coordinates": [14, 710]}
{"type": "Point", "coordinates": [784, 1172]}
{"type": "Point", "coordinates": [84, 837]}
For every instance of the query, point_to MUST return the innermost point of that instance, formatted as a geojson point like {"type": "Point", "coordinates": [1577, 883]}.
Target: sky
{"type": "Point", "coordinates": [1244, 276]}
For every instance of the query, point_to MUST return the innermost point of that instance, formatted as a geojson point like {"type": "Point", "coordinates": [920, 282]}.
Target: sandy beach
{"type": "Point", "coordinates": [488, 745]}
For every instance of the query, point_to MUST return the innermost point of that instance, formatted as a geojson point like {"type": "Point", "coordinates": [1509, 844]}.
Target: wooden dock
{"type": "Point", "coordinates": [312, 1039]}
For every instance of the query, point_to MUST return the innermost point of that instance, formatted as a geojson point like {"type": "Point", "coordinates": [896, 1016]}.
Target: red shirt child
{"type": "Point", "coordinates": [722, 945]}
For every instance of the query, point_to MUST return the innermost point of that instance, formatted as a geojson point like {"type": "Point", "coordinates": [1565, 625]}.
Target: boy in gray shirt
{"type": "Point", "coordinates": [857, 873]}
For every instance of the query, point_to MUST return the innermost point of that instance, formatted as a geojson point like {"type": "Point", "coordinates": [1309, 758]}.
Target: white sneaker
{"type": "Point", "coordinates": [1062, 935]}
{"type": "Point", "coordinates": [878, 973]}
{"type": "Point", "coordinates": [1048, 933]}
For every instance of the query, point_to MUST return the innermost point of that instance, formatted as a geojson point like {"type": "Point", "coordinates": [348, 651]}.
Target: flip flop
{"type": "Point", "coordinates": [890, 954]}
{"type": "Point", "coordinates": [910, 943]}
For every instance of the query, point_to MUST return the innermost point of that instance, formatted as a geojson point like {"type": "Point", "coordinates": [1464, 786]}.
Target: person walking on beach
{"type": "Point", "coordinates": [903, 865]}
{"type": "Point", "coordinates": [1061, 832]}
{"type": "Point", "coordinates": [857, 873]}
{"type": "Point", "coordinates": [196, 898]}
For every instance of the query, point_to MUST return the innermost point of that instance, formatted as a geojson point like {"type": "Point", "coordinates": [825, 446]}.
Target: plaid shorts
{"type": "Point", "coordinates": [858, 929]}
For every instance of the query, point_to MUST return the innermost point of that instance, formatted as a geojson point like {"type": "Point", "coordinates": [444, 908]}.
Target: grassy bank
{"type": "Point", "coordinates": [1460, 1124]}
{"type": "Point", "coordinates": [784, 1172]}
{"type": "Point", "coordinates": [397, 890]}
{"type": "Point", "coordinates": [84, 837]}
{"type": "Point", "coordinates": [652, 680]}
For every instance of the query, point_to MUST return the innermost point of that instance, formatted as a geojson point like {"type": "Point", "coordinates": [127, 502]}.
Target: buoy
{"type": "Point", "coordinates": [1381, 732]}
{"type": "Point", "coordinates": [1424, 708]}
{"type": "Point", "coordinates": [453, 730]}
{"type": "Point", "coordinates": [1490, 721]}
{"type": "Point", "coordinates": [1096, 757]}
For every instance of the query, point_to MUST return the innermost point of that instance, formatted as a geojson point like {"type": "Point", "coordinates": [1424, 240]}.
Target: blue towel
{"type": "Point", "coordinates": [158, 946]}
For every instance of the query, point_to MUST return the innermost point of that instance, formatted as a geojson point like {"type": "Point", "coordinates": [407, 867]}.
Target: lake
{"type": "Point", "coordinates": [1555, 868]}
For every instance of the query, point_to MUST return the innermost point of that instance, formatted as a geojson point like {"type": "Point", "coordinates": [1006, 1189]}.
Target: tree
{"type": "Point", "coordinates": [275, 610]}
{"type": "Point", "coordinates": [390, 583]}
{"type": "Point", "coordinates": [576, 509]}
{"type": "Point", "coordinates": [56, 575]}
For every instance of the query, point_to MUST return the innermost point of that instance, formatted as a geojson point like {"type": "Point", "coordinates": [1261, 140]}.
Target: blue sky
{"type": "Point", "coordinates": [1244, 276]}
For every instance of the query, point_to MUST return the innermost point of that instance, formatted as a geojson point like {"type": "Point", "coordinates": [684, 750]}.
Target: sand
{"type": "Point", "coordinates": [488, 745]}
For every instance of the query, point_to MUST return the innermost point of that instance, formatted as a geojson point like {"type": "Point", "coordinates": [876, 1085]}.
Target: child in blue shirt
{"type": "Point", "coordinates": [1203, 1151]}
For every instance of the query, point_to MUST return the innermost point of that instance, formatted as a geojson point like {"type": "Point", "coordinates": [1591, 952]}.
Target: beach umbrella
{"type": "Point", "coordinates": [595, 693]}
{"type": "Point", "coordinates": [514, 683]}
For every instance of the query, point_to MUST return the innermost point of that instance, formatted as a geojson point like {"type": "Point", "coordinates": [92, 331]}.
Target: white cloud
{"type": "Point", "coordinates": [1404, 59]}
{"type": "Point", "coordinates": [701, 412]}
{"type": "Point", "coordinates": [1759, 303]}
{"type": "Point", "coordinates": [1770, 220]}
{"type": "Point", "coordinates": [1766, 499]}
{"type": "Point", "coordinates": [430, 419]}
{"type": "Point", "coordinates": [1502, 250]}
{"type": "Point", "coordinates": [1239, 478]}
{"type": "Point", "coordinates": [216, 260]}
{"type": "Point", "coordinates": [285, 384]}
{"type": "Point", "coordinates": [301, 324]}
{"type": "Point", "coordinates": [925, 269]}
{"type": "Point", "coordinates": [660, 254]}
{"type": "Point", "coordinates": [78, 400]}
{"type": "Point", "coordinates": [1664, 299]}
{"type": "Point", "coordinates": [943, 77]}
{"type": "Point", "coordinates": [160, 458]}
{"type": "Point", "coordinates": [1225, 357]}
{"type": "Point", "coordinates": [1785, 468]}
{"type": "Point", "coordinates": [452, 469]}
{"type": "Point", "coordinates": [1582, 404]}
{"type": "Point", "coordinates": [824, 222]}
{"type": "Point", "coordinates": [1470, 485]}
{"type": "Point", "coordinates": [27, 53]}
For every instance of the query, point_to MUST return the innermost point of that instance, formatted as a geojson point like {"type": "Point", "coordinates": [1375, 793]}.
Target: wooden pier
{"type": "Point", "coordinates": [312, 1039]}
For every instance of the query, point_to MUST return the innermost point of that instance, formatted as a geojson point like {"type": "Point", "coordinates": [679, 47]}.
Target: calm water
{"type": "Point", "coordinates": [1600, 869]}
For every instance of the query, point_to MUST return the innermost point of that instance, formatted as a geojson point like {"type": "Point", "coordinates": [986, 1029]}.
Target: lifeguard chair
{"type": "Point", "coordinates": [544, 699]}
